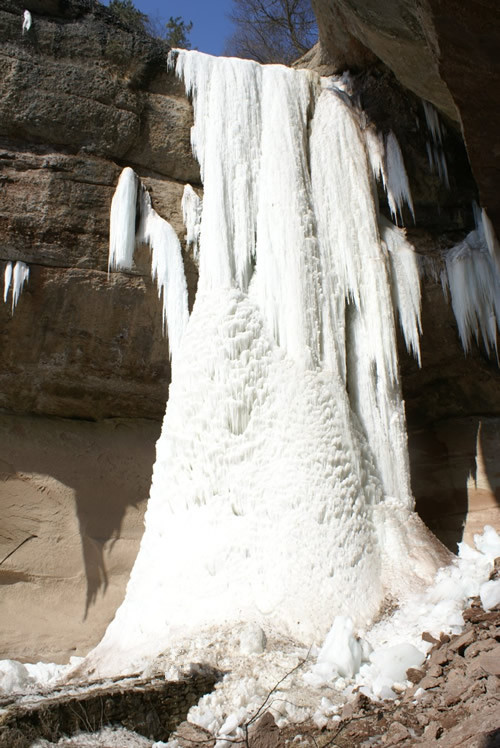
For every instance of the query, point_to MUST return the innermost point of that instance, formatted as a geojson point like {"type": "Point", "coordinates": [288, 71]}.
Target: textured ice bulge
{"type": "Point", "coordinates": [280, 495]}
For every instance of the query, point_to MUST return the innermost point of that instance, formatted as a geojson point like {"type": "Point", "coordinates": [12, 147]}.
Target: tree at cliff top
{"type": "Point", "coordinates": [175, 32]}
{"type": "Point", "coordinates": [272, 31]}
{"type": "Point", "coordinates": [128, 14]}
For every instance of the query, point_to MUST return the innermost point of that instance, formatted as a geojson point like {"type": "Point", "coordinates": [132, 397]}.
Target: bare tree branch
{"type": "Point", "coordinates": [272, 30]}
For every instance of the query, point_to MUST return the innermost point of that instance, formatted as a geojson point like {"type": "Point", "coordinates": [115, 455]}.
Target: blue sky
{"type": "Point", "coordinates": [211, 27]}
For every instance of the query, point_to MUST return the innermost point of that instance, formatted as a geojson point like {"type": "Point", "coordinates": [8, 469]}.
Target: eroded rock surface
{"type": "Point", "coordinates": [79, 101]}
{"type": "Point", "coordinates": [446, 53]}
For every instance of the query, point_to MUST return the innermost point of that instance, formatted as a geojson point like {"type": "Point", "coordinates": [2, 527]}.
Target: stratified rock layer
{"type": "Point", "coordinates": [445, 52]}
{"type": "Point", "coordinates": [79, 101]}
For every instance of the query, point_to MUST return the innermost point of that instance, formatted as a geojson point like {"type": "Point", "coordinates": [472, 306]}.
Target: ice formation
{"type": "Point", "coordinates": [280, 494]}
{"type": "Point", "coordinates": [7, 279]}
{"type": "Point", "coordinates": [473, 280]}
{"type": "Point", "coordinates": [387, 165]}
{"type": "Point", "coordinates": [122, 221]}
{"type": "Point", "coordinates": [166, 268]}
{"type": "Point", "coordinates": [15, 277]}
{"type": "Point", "coordinates": [27, 21]}
{"type": "Point", "coordinates": [131, 204]}
{"type": "Point", "coordinates": [435, 151]}
{"type": "Point", "coordinates": [191, 213]}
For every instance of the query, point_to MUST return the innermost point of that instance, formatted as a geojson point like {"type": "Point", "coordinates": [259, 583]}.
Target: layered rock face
{"type": "Point", "coordinates": [81, 98]}
{"type": "Point", "coordinates": [446, 53]}
{"type": "Point", "coordinates": [84, 374]}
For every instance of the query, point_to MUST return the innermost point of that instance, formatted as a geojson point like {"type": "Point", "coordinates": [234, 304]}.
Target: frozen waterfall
{"type": "Point", "coordinates": [281, 491]}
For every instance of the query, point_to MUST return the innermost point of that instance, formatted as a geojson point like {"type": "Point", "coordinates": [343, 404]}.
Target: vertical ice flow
{"type": "Point", "coordinates": [167, 269]}
{"type": "Point", "coordinates": [7, 280]}
{"type": "Point", "coordinates": [473, 280]}
{"type": "Point", "coordinates": [191, 214]}
{"type": "Point", "coordinates": [15, 277]}
{"type": "Point", "coordinates": [280, 492]}
{"type": "Point", "coordinates": [122, 222]}
{"type": "Point", "coordinates": [131, 206]}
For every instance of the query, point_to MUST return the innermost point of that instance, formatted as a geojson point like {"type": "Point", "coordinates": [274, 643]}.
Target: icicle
{"type": "Point", "coordinates": [435, 153]}
{"type": "Point", "coordinates": [20, 276]}
{"type": "Point", "coordinates": [122, 222]}
{"type": "Point", "coordinates": [432, 119]}
{"type": "Point", "coordinates": [387, 164]}
{"type": "Point", "coordinates": [166, 257]}
{"type": "Point", "coordinates": [474, 286]}
{"type": "Point", "coordinates": [166, 268]}
{"type": "Point", "coordinates": [191, 213]}
{"type": "Point", "coordinates": [27, 21]}
{"type": "Point", "coordinates": [7, 280]}
{"type": "Point", "coordinates": [396, 185]}
{"type": "Point", "coordinates": [405, 284]}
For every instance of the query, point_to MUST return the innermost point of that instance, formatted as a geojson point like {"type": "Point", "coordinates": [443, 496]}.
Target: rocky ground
{"type": "Point", "coordinates": [454, 701]}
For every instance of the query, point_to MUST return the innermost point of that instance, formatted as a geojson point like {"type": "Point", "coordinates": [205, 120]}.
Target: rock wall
{"type": "Point", "coordinates": [79, 101]}
{"type": "Point", "coordinates": [84, 365]}
{"type": "Point", "coordinates": [445, 52]}
{"type": "Point", "coordinates": [83, 380]}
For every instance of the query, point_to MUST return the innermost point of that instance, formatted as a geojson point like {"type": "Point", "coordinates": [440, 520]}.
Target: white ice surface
{"type": "Point", "coordinates": [131, 206]}
{"type": "Point", "coordinates": [282, 467]}
{"type": "Point", "coordinates": [489, 593]}
{"type": "Point", "coordinates": [396, 179]}
{"type": "Point", "coordinates": [7, 279]}
{"type": "Point", "coordinates": [14, 280]}
{"type": "Point", "coordinates": [122, 221]}
{"type": "Point", "coordinates": [473, 280]}
{"type": "Point", "coordinates": [167, 269]}
{"type": "Point", "coordinates": [191, 213]}
{"type": "Point", "coordinates": [27, 21]}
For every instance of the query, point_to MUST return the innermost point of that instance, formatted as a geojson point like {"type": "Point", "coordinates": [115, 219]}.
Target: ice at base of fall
{"type": "Point", "coordinates": [280, 516]}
